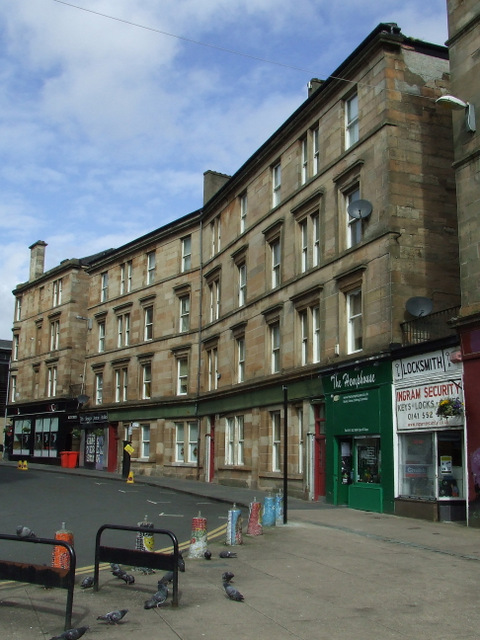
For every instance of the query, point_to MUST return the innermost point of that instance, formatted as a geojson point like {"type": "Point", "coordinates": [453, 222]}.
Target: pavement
{"type": "Point", "coordinates": [329, 572]}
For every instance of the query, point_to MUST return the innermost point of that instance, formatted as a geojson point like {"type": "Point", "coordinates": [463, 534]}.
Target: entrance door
{"type": "Point", "coordinates": [319, 453]}
{"type": "Point", "coordinates": [345, 469]}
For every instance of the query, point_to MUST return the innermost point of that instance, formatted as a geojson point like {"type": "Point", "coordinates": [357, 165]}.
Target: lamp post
{"type": "Point", "coordinates": [456, 104]}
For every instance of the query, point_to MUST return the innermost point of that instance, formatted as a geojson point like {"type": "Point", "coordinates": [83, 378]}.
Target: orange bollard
{"type": "Point", "coordinates": [60, 556]}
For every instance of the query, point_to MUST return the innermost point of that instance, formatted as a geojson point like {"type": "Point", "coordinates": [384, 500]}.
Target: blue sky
{"type": "Point", "coordinates": [107, 124]}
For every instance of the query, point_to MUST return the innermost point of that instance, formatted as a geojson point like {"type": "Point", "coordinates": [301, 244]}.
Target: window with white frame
{"type": "Point", "coordinates": [57, 292]}
{"type": "Point", "coordinates": [212, 363]}
{"type": "Point", "coordinates": [275, 439]}
{"type": "Point", "coordinates": [214, 299]}
{"type": "Point", "coordinates": [274, 329]}
{"type": "Point", "coordinates": [354, 225]}
{"type": "Point", "coordinates": [316, 336]}
{"type": "Point", "coordinates": [99, 387]}
{"type": "Point", "coordinates": [304, 242]}
{"type": "Point", "coordinates": [351, 121]}
{"type": "Point", "coordinates": [104, 286]}
{"type": "Point", "coordinates": [13, 388]}
{"type": "Point", "coordinates": [125, 277]}
{"type": "Point", "coordinates": [121, 384]}
{"type": "Point", "coordinates": [15, 346]}
{"type": "Point", "coordinates": [215, 236]}
{"type": "Point", "coordinates": [240, 348]}
{"type": "Point", "coordinates": [354, 320]}
{"type": "Point", "coordinates": [316, 150]}
{"type": "Point", "coordinates": [54, 335]}
{"type": "Point", "coordinates": [304, 160]}
{"type": "Point", "coordinates": [186, 253]}
{"type": "Point", "coordinates": [148, 323]}
{"type": "Point", "coordinates": [151, 265]}
{"type": "Point", "coordinates": [184, 303]}
{"type": "Point", "coordinates": [275, 263]}
{"type": "Point", "coordinates": [234, 441]}
{"type": "Point", "coordinates": [276, 184]}
{"type": "Point", "coordinates": [18, 308]}
{"type": "Point", "coordinates": [242, 283]}
{"type": "Point", "coordinates": [315, 218]}
{"type": "Point", "coordinates": [145, 441]}
{"type": "Point", "coordinates": [304, 335]}
{"type": "Point", "coordinates": [146, 380]}
{"type": "Point", "coordinates": [186, 442]}
{"type": "Point", "coordinates": [123, 330]}
{"type": "Point", "coordinates": [243, 212]}
{"type": "Point", "coordinates": [182, 376]}
{"type": "Point", "coordinates": [101, 336]}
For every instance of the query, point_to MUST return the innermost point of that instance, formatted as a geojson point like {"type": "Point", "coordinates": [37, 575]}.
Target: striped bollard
{"type": "Point", "coordinates": [234, 526]}
{"type": "Point", "coordinates": [198, 539]}
{"type": "Point", "coordinates": [279, 508]}
{"type": "Point", "coordinates": [60, 556]}
{"type": "Point", "coordinates": [268, 517]}
{"type": "Point", "coordinates": [254, 527]}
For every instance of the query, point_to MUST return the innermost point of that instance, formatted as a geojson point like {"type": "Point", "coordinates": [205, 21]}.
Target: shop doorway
{"type": "Point", "coordinates": [319, 452]}
{"type": "Point", "coordinates": [345, 469]}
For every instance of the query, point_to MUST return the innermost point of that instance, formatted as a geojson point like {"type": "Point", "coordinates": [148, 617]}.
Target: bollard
{"type": "Point", "coordinates": [144, 540]}
{"type": "Point", "coordinates": [279, 508]}
{"type": "Point", "coordinates": [198, 540]}
{"type": "Point", "coordinates": [130, 478]}
{"type": "Point", "coordinates": [60, 556]}
{"type": "Point", "coordinates": [234, 526]}
{"type": "Point", "coordinates": [268, 517]}
{"type": "Point", "coordinates": [20, 465]}
{"type": "Point", "coordinates": [25, 465]}
{"type": "Point", "coordinates": [254, 527]}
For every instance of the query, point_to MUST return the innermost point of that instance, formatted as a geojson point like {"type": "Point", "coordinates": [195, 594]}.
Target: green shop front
{"type": "Point", "coordinates": [359, 436]}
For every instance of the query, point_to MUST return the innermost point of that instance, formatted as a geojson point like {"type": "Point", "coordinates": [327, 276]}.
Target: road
{"type": "Point", "coordinates": [43, 501]}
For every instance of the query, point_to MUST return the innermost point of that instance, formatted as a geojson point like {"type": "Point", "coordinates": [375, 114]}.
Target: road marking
{"type": "Point", "coordinates": [171, 515]}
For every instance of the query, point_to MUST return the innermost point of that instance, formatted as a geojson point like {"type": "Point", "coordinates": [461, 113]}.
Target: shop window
{"type": "Point", "coordinates": [368, 460]}
{"type": "Point", "coordinates": [417, 471]}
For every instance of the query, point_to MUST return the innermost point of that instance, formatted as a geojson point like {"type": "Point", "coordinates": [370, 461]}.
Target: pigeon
{"type": "Point", "coordinates": [207, 555]}
{"type": "Point", "coordinates": [71, 634]}
{"type": "Point", "coordinates": [118, 572]}
{"type": "Point", "coordinates": [227, 576]}
{"type": "Point", "coordinates": [158, 598]}
{"type": "Point", "coordinates": [232, 593]}
{"type": "Point", "coordinates": [113, 617]}
{"type": "Point", "coordinates": [127, 578]}
{"type": "Point", "coordinates": [87, 582]}
{"type": "Point", "coordinates": [165, 579]}
{"type": "Point", "coordinates": [181, 562]}
{"type": "Point", "coordinates": [227, 554]}
{"type": "Point", "coordinates": [25, 532]}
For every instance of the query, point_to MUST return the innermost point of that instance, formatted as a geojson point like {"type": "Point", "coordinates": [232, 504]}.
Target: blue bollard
{"type": "Point", "coordinates": [268, 516]}
{"type": "Point", "coordinates": [279, 508]}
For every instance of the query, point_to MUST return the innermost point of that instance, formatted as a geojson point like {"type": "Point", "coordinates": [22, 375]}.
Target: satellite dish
{"type": "Point", "coordinates": [83, 399]}
{"type": "Point", "coordinates": [359, 209]}
{"type": "Point", "coordinates": [419, 306]}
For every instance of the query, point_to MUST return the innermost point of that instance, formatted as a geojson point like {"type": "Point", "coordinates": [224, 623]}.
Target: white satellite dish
{"type": "Point", "coordinates": [82, 399]}
{"type": "Point", "coordinates": [359, 209]}
{"type": "Point", "coordinates": [419, 306]}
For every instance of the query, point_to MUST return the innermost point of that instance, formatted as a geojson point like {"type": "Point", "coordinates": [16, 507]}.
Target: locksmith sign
{"type": "Point", "coordinates": [421, 383]}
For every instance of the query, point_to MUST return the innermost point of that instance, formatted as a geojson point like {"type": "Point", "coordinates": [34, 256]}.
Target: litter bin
{"type": "Point", "coordinates": [68, 459]}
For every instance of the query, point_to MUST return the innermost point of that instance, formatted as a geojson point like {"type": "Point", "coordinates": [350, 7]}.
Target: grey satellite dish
{"type": "Point", "coordinates": [83, 399]}
{"type": "Point", "coordinates": [419, 306]}
{"type": "Point", "coordinates": [359, 209]}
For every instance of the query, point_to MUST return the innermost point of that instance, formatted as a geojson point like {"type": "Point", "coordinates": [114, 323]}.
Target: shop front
{"type": "Point", "coordinates": [99, 441]}
{"type": "Point", "coordinates": [359, 437]}
{"type": "Point", "coordinates": [431, 470]}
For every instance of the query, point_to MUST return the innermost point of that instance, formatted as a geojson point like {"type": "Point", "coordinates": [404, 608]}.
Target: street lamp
{"type": "Point", "coordinates": [456, 104]}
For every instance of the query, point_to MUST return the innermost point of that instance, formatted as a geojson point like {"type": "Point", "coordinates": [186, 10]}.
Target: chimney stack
{"type": "Point", "coordinates": [213, 182]}
{"type": "Point", "coordinates": [37, 259]}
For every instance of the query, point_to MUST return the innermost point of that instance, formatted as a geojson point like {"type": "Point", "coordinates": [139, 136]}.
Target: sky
{"type": "Point", "coordinates": [111, 111]}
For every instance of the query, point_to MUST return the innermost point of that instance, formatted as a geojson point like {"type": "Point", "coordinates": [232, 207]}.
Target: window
{"type": "Point", "coordinates": [184, 302]}
{"type": "Point", "coordinates": [240, 347]}
{"type": "Point", "coordinates": [186, 442]}
{"type": "Point", "coordinates": [214, 299]}
{"type": "Point", "coordinates": [215, 236]}
{"type": "Point", "coordinates": [148, 323]}
{"type": "Point", "coordinates": [304, 154]}
{"type": "Point", "coordinates": [275, 440]}
{"type": "Point", "coordinates": [182, 376]}
{"type": "Point", "coordinates": [16, 343]}
{"type": "Point", "coordinates": [126, 277]}
{"type": "Point", "coordinates": [212, 361]}
{"type": "Point", "coordinates": [354, 319]}
{"type": "Point", "coordinates": [186, 253]}
{"type": "Point", "coordinates": [367, 460]}
{"type": "Point", "coordinates": [98, 388]}
{"type": "Point", "coordinates": [276, 184]}
{"type": "Point", "coordinates": [45, 442]}
{"type": "Point", "coordinates": [243, 212]}
{"type": "Point", "coordinates": [13, 388]}
{"type": "Point", "coordinates": [303, 317]}
{"type": "Point", "coordinates": [54, 335]}
{"type": "Point", "coordinates": [309, 334]}
{"type": "Point", "coordinates": [234, 441]}
{"type": "Point", "coordinates": [101, 336]}
{"type": "Point", "coordinates": [104, 286]}
{"type": "Point", "coordinates": [309, 241]}
{"type": "Point", "coordinates": [275, 258]}
{"type": "Point", "coordinates": [275, 347]}
{"type": "Point", "coordinates": [123, 330]}
{"type": "Point", "coordinates": [145, 441]}
{"type": "Point", "coordinates": [315, 240]}
{"type": "Point", "coordinates": [18, 308]}
{"type": "Point", "coordinates": [304, 245]}
{"type": "Point", "coordinates": [57, 292]}
{"type": "Point", "coordinates": [354, 225]}
{"type": "Point", "coordinates": [242, 284]}
{"type": "Point", "coordinates": [316, 150]}
{"type": "Point", "coordinates": [351, 121]}
{"type": "Point", "coordinates": [316, 334]}
{"type": "Point", "coordinates": [151, 260]}
{"type": "Point", "coordinates": [146, 381]}
{"type": "Point", "coordinates": [121, 384]}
